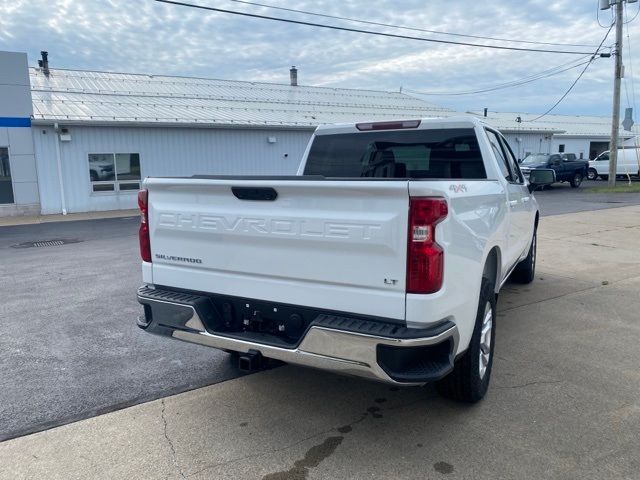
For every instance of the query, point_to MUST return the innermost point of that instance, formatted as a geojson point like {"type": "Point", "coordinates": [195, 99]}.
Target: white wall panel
{"type": "Point", "coordinates": [25, 193]}
{"type": "Point", "coordinates": [23, 167]}
{"type": "Point", "coordinates": [14, 69]}
{"type": "Point", "coordinates": [577, 145]}
{"type": "Point", "coordinates": [528, 143]}
{"type": "Point", "coordinates": [163, 152]}
{"type": "Point", "coordinates": [20, 141]}
{"type": "Point", "coordinates": [44, 145]}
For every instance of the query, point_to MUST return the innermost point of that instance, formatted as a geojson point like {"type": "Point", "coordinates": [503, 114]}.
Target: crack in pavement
{"type": "Point", "coordinates": [327, 445]}
{"type": "Point", "coordinates": [174, 457]}
{"type": "Point", "coordinates": [541, 382]}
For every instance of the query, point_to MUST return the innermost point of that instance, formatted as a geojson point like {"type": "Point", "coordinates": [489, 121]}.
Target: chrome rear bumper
{"type": "Point", "coordinates": [396, 359]}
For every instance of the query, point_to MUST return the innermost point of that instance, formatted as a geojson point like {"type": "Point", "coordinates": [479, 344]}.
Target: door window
{"type": "Point", "coordinates": [503, 163]}
{"type": "Point", "coordinates": [6, 188]}
{"type": "Point", "coordinates": [511, 159]}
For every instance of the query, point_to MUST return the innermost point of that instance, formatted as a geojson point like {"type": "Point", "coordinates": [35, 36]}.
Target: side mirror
{"type": "Point", "coordinates": [541, 177]}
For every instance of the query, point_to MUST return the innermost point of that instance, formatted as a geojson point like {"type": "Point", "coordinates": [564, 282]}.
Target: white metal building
{"type": "Point", "coordinates": [104, 132]}
{"type": "Point", "coordinates": [78, 141]}
{"type": "Point", "coordinates": [586, 136]}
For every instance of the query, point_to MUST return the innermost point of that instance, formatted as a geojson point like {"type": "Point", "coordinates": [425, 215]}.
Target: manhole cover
{"type": "Point", "coordinates": [47, 243]}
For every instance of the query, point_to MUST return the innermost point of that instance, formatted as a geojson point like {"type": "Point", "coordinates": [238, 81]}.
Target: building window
{"type": "Point", "coordinates": [6, 188]}
{"type": "Point", "coordinates": [561, 148]}
{"type": "Point", "coordinates": [114, 172]}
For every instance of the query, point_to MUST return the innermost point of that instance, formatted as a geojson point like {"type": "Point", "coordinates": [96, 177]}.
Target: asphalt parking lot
{"type": "Point", "coordinates": [69, 347]}
{"type": "Point", "coordinates": [561, 198]}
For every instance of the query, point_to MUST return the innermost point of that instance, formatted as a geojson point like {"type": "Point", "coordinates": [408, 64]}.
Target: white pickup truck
{"type": "Point", "coordinates": [382, 258]}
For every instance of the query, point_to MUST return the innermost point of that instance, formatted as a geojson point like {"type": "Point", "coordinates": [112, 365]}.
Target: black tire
{"type": "Point", "coordinates": [576, 180]}
{"type": "Point", "coordinates": [525, 271]}
{"type": "Point", "coordinates": [604, 177]}
{"type": "Point", "coordinates": [592, 174]}
{"type": "Point", "coordinates": [466, 383]}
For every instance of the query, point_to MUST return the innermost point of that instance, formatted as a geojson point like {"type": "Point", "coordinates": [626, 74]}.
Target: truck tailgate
{"type": "Point", "coordinates": [331, 244]}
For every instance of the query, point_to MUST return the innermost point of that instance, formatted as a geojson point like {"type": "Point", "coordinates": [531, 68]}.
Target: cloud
{"type": "Point", "coordinates": [148, 37]}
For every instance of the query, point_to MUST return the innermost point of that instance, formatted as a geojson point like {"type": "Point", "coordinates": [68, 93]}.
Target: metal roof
{"type": "Point", "coordinates": [568, 125]}
{"type": "Point", "coordinates": [89, 97]}
{"type": "Point", "coordinates": [72, 96]}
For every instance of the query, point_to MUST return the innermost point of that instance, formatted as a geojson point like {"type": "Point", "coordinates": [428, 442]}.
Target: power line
{"type": "Point", "coordinates": [575, 81]}
{"type": "Point", "coordinates": [514, 83]}
{"type": "Point", "coordinates": [402, 27]}
{"type": "Point", "coordinates": [565, 93]}
{"type": "Point", "coordinates": [369, 32]}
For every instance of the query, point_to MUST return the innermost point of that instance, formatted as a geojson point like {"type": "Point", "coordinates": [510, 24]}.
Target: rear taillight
{"type": "Point", "coordinates": [143, 233]}
{"type": "Point", "coordinates": [425, 258]}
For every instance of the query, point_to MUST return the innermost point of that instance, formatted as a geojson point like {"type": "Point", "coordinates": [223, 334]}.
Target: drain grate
{"type": "Point", "coordinates": [47, 243]}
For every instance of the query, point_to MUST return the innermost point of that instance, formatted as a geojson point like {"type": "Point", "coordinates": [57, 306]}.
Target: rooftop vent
{"type": "Point", "coordinates": [44, 63]}
{"type": "Point", "coordinates": [293, 74]}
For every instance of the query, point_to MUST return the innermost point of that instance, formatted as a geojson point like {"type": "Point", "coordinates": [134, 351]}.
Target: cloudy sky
{"type": "Point", "coordinates": [144, 36]}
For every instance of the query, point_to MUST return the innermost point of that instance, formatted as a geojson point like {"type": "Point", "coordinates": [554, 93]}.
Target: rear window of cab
{"type": "Point", "coordinates": [437, 153]}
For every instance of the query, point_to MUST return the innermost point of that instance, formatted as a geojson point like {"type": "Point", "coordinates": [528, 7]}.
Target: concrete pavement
{"type": "Point", "coordinates": [563, 401]}
{"type": "Point", "coordinates": [70, 217]}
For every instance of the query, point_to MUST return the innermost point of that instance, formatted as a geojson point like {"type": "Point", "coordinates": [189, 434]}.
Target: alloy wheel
{"type": "Point", "coordinates": [485, 340]}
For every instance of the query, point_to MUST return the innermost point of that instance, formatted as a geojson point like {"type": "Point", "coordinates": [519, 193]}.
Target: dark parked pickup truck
{"type": "Point", "coordinates": [567, 167]}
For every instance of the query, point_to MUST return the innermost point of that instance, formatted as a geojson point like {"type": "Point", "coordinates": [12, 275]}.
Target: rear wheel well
{"type": "Point", "coordinates": [491, 267]}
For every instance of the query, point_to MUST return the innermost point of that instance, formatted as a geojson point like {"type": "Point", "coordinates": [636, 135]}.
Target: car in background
{"type": "Point", "coordinates": [100, 169]}
{"type": "Point", "coordinates": [568, 168]}
{"type": "Point", "coordinates": [628, 163]}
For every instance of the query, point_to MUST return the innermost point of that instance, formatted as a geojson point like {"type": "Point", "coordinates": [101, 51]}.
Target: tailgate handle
{"type": "Point", "coordinates": [255, 193]}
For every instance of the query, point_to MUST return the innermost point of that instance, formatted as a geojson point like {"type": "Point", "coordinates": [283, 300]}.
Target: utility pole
{"type": "Point", "coordinates": [615, 117]}
{"type": "Point", "coordinates": [617, 76]}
